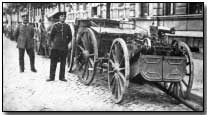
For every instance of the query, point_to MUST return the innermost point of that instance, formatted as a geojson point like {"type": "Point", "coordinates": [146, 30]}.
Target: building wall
{"type": "Point", "coordinates": [180, 20]}
{"type": "Point", "coordinates": [134, 12]}
{"type": "Point", "coordinates": [182, 16]}
{"type": "Point", "coordinates": [177, 15]}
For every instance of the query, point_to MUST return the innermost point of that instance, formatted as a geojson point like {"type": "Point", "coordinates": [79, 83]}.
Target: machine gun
{"type": "Point", "coordinates": [158, 33]}
{"type": "Point", "coordinates": [158, 41]}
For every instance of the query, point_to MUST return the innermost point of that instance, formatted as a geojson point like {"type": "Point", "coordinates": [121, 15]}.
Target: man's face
{"type": "Point", "coordinates": [25, 19]}
{"type": "Point", "coordinates": [62, 18]}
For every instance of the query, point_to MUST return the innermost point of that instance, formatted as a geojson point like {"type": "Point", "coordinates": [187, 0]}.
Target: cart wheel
{"type": "Point", "coordinates": [118, 69]}
{"type": "Point", "coordinates": [86, 55]}
{"type": "Point", "coordinates": [70, 56]}
{"type": "Point", "coordinates": [183, 88]}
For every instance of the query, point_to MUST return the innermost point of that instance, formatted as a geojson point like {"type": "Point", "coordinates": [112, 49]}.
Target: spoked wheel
{"type": "Point", "coordinates": [70, 56]}
{"type": "Point", "coordinates": [118, 69]}
{"type": "Point", "coordinates": [183, 88]}
{"type": "Point", "coordinates": [86, 55]}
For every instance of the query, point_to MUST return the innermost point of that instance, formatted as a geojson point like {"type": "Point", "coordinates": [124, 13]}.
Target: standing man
{"type": "Point", "coordinates": [24, 34]}
{"type": "Point", "coordinates": [59, 38]}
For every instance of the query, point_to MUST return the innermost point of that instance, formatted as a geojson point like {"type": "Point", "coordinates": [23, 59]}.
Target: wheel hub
{"type": "Point", "coordinates": [116, 67]}
{"type": "Point", "coordinates": [85, 54]}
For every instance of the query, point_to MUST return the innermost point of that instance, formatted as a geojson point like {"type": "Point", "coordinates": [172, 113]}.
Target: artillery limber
{"type": "Point", "coordinates": [127, 53]}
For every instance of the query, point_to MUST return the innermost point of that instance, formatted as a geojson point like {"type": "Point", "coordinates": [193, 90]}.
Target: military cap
{"type": "Point", "coordinates": [57, 15]}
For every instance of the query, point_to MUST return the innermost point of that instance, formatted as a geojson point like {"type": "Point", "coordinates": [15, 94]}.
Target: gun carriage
{"type": "Point", "coordinates": [127, 53]}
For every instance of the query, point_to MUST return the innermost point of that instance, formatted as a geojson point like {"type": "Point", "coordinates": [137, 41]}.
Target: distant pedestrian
{"type": "Point", "coordinates": [59, 38]}
{"type": "Point", "coordinates": [24, 34]}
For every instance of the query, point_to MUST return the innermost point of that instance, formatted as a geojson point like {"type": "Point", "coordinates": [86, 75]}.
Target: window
{"type": "Point", "coordinates": [120, 4]}
{"type": "Point", "coordinates": [181, 8]}
{"type": "Point", "coordinates": [188, 8]}
{"type": "Point", "coordinates": [195, 8]}
{"type": "Point", "coordinates": [68, 7]}
{"type": "Point", "coordinates": [158, 9]}
{"type": "Point", "coordinates": [94, 11]}
{"type": "Point", "coordinates": [144, 9]}
{"type": "Point", "coordinates": [77, 6]}
{"type": "Point", "coordinates": [169, 9]}
{"type": "Point", "coordinates": [84, 6]}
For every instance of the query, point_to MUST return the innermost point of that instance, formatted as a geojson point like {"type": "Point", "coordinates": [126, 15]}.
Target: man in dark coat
{"type": "Point", "coordinates": [24, 34]}
{"type": "Point", "coordinates": [59, 38]}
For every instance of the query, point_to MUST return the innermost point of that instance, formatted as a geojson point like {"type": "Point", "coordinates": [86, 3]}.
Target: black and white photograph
{"type": "Point", "coordinates": [103, 56]}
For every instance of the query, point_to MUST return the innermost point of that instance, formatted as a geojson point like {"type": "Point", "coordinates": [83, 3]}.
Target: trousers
{"type": "Point", "coordinates": [57, 55]}
{"type": "Point", "coordinates": [31, 55]}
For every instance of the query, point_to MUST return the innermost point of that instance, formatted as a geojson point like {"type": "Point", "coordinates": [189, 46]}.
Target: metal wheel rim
{"type": "Point", "coordinates": [88, 67]}
{"type": "Point", "coordinates": [70, 57]}
{"type": "Point", "coordinates": [118, 77]}
{"type": "Point", "coordinates": [183, 88]}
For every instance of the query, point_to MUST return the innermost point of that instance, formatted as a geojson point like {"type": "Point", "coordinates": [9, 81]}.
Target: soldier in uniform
{"type": "Point", "coordinates": [59, 38]}
{"type": "Point", "coordinates": [24, 34]}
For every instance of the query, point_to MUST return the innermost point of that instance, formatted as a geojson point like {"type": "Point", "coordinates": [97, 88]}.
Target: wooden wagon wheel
{"type": "Point", "coordinates": [183, 88]}
{"type": "Point", "coordinates": [118, 69]}
{"type": "Point", "coordinates": [70, 56]}
{"type": "Point", "coordinates": [86, 55]}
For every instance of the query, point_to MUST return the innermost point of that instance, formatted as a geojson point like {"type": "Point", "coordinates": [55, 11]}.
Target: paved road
{"type": "Point", "coordinates": [30, 92]}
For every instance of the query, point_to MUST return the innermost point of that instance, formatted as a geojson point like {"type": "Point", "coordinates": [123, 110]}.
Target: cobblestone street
{"type": "Point", "coordinates": [29, 91]}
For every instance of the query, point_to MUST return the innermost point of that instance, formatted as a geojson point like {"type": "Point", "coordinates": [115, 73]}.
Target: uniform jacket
{"type": "Point", "coordinates": [24, 35]}
{"type": "Point", "coordinates": [60, 36]}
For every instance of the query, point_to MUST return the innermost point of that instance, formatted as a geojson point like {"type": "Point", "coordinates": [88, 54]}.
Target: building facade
{"type": "Point", "coordinates": [186, 18]}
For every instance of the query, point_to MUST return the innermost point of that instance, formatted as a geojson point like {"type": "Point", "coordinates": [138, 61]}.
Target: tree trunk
{"type": "Point", "coordinates": [11, 29]}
